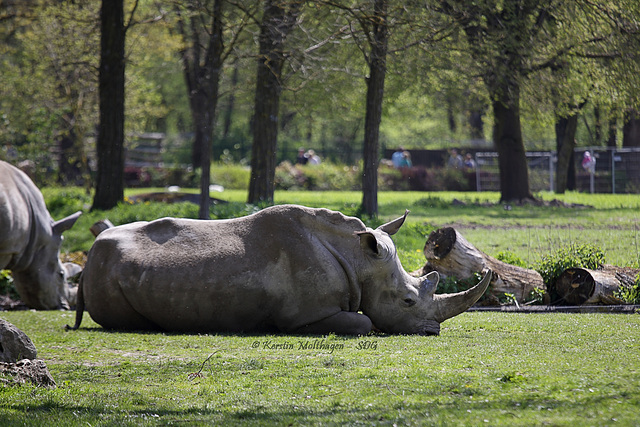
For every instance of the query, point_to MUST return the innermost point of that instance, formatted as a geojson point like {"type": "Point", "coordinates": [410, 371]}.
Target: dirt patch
{"type": "Point", "coordinates": [26, 371]}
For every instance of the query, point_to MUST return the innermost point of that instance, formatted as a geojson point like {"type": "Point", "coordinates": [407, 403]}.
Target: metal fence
{"type": "Point", "coordinates": [614, 170]}
{"type": "Point", "coordinates": [541, 171]}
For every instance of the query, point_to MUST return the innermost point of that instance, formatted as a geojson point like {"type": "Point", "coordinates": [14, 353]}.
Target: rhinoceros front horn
{"type": "Point", "coordinates": [449, 305]}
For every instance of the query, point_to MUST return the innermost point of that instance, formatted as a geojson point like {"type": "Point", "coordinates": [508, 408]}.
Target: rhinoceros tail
{"type": "Point", "coordinates": [79, 306]}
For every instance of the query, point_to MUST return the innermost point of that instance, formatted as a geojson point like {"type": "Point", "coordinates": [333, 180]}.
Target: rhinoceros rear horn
{"type": "Point", "coordinates": [449, 305]}
{"type": "Point", "coordinates": [392, 227]}
{"type": "Point", "coordinates": [64, 224]}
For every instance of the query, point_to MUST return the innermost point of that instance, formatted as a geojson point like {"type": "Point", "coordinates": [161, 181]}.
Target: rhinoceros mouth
{"type": "Point", "coordinates": [429, 328]}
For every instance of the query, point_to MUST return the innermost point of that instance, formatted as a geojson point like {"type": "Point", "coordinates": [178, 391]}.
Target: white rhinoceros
{"type": "Point", "coordinates": [30, 241]}
{"type": "Point", "coordinates": [287, 269]}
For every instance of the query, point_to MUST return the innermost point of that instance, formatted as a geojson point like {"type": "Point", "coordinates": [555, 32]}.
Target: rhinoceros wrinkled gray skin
{"type": "Point", "coordinates": [30, 241]}
{"type": "Point", "coordinates": [285, 269]}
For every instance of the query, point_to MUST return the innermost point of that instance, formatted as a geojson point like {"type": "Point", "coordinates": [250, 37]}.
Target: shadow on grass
{"type": "Point", "coordinates": [509, 405]}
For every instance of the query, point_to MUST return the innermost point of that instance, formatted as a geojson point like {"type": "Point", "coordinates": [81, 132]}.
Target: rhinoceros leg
{"type": "Point", "coordinates": [342, 323]}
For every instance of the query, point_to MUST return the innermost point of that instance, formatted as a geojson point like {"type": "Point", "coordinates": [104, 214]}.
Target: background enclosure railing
{"type": "Point", "coordinates": [617, 170]}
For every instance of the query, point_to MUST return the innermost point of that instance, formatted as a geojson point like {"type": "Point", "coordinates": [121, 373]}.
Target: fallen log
{"type": "Point", "coordinates": [450, 254]}
{"type": "Point", "coordinates": [100, 226]}
{"type": "Point", "coordinates": [578, 286]}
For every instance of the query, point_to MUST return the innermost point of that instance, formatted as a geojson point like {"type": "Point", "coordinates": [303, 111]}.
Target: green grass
{"type": "Point", "coordinates": [484, 369]}
{"type": "Point", "coordinates": [610, 222]}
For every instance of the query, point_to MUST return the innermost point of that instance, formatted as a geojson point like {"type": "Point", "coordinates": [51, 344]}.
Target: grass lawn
{"type": "Point", "coordinates": [484, 369]}
{"type": "Point", "coordinates": [610, 222]}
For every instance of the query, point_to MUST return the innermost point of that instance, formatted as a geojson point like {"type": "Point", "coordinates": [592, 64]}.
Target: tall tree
{"type": "Point", "coordinates": [377, 61]}
{"type": "Point", "coordinates": [501, 37]}
{"type": "Point", "coordinates": [565, 128]}
{"type": "Point", "coordinates": [278, 20]}
{"type": "Point", "coordinates": [202, 63]}
{"type": "Point", "coordinates": [110, 143]}
{"type": "Point", "coordinates": [631, 129]}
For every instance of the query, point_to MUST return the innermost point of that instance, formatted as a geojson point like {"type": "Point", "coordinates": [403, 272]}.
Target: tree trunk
{"type": "Point", "coordinates": [375, 96]}
{"type": "Point", "coordinates": [612, 130]}
{"type": "Point", "coordinates": [202, 70]}
{"type": "Point", "coordinates": [450, 254]}
{"type": "Point", "coordinates": [597, 124]}
{"type": "Point", "coordinates": [565, 143]}
{"type": "Point", "coordinates": [110, 143]}
{"type": "Point", "coordinates": [507, 137]}
{"type": "Point", "coordinates": [226, 128]}
{"type": "Point", "coordinates": [278, 20]}
{"type": "Point", "coordinates": [71, 167]}
{"type": "Point", "coordinates": [577, 286]}
{"type": "Point", "coordinates": [631, 129]}
{"type": "Point", "coordinates": [476, 125]}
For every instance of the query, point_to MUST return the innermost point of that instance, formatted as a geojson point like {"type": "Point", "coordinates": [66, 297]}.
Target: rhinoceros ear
{"type": "Point", "coordinates": [369, 243]}
{"type": "Point", "coordinates": [371, 246]}
{"type": "Point", "coordinates": [65, 223]}
{"type": "Point", "coordinates": [392, 227]}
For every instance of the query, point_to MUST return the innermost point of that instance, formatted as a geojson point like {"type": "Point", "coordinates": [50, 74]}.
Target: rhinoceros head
{"type": "Point", "coordinates": [397, 302]}
{"type": "Point", "coordinates": [43, 285]}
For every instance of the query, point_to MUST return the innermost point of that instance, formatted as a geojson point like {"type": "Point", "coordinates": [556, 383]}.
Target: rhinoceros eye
{"type": "Point", "coordinates": [409, 302]}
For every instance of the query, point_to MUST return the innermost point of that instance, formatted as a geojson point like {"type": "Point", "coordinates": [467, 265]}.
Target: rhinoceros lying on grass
{"type": "Point", "coordinates": [30, 241]}
{"type": "Point", "coordinates": [287, 269]}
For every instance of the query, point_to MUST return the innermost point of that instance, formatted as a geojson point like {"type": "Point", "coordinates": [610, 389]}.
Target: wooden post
{"type": "Point", "coordinates": [450, 254]}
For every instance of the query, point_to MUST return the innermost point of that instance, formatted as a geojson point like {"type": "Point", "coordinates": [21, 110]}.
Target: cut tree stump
{"type": "Point", "coordinates": [577, 286]}
{"type": "Point", "coordinates": [450, 254]}
{"type": "Point", "coordinates": [100, 226]}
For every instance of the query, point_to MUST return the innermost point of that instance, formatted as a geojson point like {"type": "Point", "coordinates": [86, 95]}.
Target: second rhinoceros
{"type": "Point", "coordinates": [285, 269]}
{"type": "Point", "coordinates": [30, 242]}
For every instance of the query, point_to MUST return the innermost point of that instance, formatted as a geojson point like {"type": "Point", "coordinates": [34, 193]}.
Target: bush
{"type": "Point", "coordinates": [6, 285]}
{"type": "Point", "coordinates": [551, 266]}
{"type": "Point", "coordinates": [511, 258]}
{"type": "Point", "coordinates": [231, 176]}
{"type": "Point", "coordinates": [62, 202]}
{"type": "Point", "coordinates": [629, 293]}
{"type": "Point", "coordinates": [322, 177]}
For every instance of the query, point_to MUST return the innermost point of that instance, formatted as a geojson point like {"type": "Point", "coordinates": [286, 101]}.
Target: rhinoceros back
{"type": "Point", "coordinates": [24, 219]}
{"type": "Point", "coordinates": [255, 273]}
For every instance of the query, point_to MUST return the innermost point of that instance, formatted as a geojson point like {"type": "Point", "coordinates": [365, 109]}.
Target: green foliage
{"type": "Point", "coordinates": [536, 296]}
{"type": "Point", "coordinates": [509, 299]}
{"type": "Point", "coordinates": [511, 258]}
{"type": "Point", "coordinates": [323, 177]}
{"type": "Point", "coordinates": [230, 175]}
{"type": "Point", "coordinates": [6, 285]}
{"type": "Point", "coordinates": [233, 210]}
{"type": "Point", "coordinates": [64, 201]}
{"type": "Point", "coordinates": [629, 293]}
{"type": "Point", "coordinates": [575, 255]}
{"type": "Point", "coordinates": [452, 284]}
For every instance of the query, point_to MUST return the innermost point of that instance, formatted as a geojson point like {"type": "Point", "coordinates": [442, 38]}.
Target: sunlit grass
{"type": "Point", "coordinates": [484, 368]}
{"type": "Point", "coordinates": [608, 221]}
